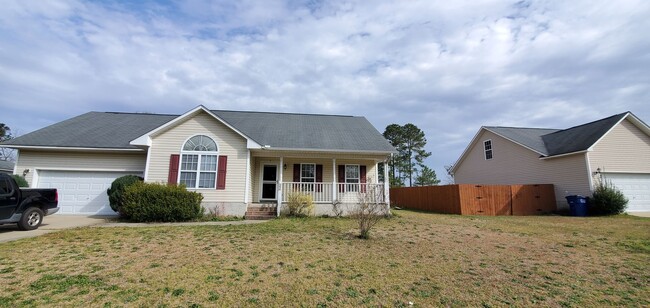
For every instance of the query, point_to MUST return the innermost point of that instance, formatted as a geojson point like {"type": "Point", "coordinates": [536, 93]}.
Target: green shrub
{"type": "Point", "coordinates": [607, 200]}
{"type": "Point", "coordinates": [299, 204]}
{"type": "Point", "coordinates": [116, 191]}
{"type": "Point", "coordinates": [148, 202]}
{"type": "Point", "coordinates": [20, 180]}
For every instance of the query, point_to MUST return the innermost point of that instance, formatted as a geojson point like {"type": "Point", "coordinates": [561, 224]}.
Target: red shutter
{"type": "Point", "coordinates": [221, 172]}
{"type": "Point", "coordinates": [296, 173]}
{"type": "Point", "coordinates": [319, 178]}
{"type": "Point", "coordinates": [172, 176]}
{"type": "Point", "coordinates": [362, 173]}
{"type": "Point", "coordinates": [341, 178]}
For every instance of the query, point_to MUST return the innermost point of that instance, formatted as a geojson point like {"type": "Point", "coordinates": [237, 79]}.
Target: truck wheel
{"type": "Point", "coordinates": [31, 219]}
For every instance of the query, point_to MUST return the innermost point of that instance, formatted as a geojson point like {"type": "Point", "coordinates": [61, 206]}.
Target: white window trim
{"type": "Point", "coordinates": [346, 174]}
{"type": "Point", "coordinates": [198, 166]}
{"type": "Point", "coordinates": [485, 151]}
{"type": "Point", "coordinates": [301, 177]}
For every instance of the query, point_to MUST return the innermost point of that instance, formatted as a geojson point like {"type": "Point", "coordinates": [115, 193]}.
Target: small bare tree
{"type": "Point", "coordinates": [371, 209]}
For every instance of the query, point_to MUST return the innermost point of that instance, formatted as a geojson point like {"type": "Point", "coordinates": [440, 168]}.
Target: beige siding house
{"type": "Point", "coordinates": [239, 161]}
{"type": "Point", "coordinates": [616, 149]}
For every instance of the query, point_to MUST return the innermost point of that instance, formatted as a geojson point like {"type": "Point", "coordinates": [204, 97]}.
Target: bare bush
{"type": "Point", "coordinates": [370, 210]}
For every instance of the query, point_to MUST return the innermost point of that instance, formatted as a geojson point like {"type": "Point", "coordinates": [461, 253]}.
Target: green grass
{"type": "Point", "coordinates": [426, 259]}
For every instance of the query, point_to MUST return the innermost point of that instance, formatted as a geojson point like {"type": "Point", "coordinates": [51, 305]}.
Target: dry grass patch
{"type": "Point", "coordinates": [426, 259]}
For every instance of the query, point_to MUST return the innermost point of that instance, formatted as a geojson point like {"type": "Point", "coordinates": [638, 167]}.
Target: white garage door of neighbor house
{"type": "Point", "coordinates": [636, 187]}
{"type": "Point", "coordinates": [81, 192]}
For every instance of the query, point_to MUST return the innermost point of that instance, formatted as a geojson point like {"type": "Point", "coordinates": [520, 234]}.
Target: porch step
{"type": "Point", "coordinates": [256, 212]}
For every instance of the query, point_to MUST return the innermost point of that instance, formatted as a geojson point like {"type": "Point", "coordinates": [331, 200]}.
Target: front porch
{"type": "Point", "coordinates": [341, 180]}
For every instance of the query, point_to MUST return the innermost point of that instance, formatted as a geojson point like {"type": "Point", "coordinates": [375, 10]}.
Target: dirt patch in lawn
{"type": "Point", "coordinates": [419, 258]}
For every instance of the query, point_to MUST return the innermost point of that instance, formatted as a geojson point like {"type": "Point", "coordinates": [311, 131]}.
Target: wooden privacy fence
{"type": "Point", "coordinates": [470, 199]}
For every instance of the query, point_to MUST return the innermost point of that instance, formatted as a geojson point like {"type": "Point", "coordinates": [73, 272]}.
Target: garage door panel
{"type": "Point", "coordinates": [81, 192]}
{"type": "Point", "coordinates": [635, 186]}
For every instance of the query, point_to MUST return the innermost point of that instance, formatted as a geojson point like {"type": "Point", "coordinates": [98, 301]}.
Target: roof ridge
{"type": "Point", "coordinates": [288, 113]}
{"type": "Point", "coordinates": [138, 113]}
{"type": "Point", "coordinates": [518, 127]}
{"type": "Point", "coordinates": [592, 122]}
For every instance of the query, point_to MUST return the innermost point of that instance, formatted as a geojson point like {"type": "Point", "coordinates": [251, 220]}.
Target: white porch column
{"type": "Point", "coordinates": [334, 190]}
{"type": "Point", "coordinates": [248, 176]}
{"type": "Point", "coordinates": [386, 185]}
{"type": "Point", "coordinates": [279, 181]}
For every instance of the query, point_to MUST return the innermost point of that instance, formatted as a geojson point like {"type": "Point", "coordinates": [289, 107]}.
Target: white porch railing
{"type": "Point", "coordinates": [346, 193]}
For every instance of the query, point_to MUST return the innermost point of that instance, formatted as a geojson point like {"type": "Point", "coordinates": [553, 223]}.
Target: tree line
{"type": "Point", "coordinates": [5, 134]}
{"type": "Point", "coordinates": [408, 162]}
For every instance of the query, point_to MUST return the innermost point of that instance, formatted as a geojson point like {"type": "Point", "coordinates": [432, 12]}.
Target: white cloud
{"type": "Point", "coordinates": [448, 67]}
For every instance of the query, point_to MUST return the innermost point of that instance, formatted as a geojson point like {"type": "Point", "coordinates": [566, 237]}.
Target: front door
{"type": "Point", "coordinates": [269, 182]}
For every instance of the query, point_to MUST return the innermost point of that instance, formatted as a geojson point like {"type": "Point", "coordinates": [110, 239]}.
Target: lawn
{"type": "Point", "coordinates": [419, 258]}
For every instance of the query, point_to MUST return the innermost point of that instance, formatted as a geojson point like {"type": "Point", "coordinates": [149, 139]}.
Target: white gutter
{"type": "Point", "coordinates": [562, 155]}
{"type": "Point", "coordinates": [37, 147]}
{"type": "Point", "coordinates": [326, 150]}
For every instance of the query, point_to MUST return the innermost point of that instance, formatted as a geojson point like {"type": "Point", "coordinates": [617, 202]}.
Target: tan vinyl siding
{"type": "Point", "coordinates": [60, 160]}
{"type": "Point", "coordinates": [229, 143]}
{"type": "Point", "coordinates": [624, 149]}
{"type": "Point", "coordinates": [514, 164]}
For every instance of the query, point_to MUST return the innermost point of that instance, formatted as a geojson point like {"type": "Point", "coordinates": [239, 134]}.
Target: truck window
{"type": "Point", "coordinates": [5, 186]}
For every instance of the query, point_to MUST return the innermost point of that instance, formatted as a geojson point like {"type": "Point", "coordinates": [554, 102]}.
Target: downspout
{"type": "Point", "coordinates": [590, 175]}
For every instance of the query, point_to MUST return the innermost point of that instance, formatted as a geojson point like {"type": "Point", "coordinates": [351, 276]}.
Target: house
{"type": "Point", "coordinates": [238, 160]}
{"type": "Point", "coordinates": [6, 167]}
{"type": "Point", "coordinates": [615, 149]}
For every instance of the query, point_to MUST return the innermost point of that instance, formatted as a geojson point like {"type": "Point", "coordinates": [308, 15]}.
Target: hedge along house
{"type": "Point", "coordinates": [238, 160]}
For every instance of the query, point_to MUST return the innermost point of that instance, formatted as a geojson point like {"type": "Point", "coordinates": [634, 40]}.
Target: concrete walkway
{"type": "Point", "coordinates": [177, 224]}
{"type": "Point", "coordinates": [50, 224]}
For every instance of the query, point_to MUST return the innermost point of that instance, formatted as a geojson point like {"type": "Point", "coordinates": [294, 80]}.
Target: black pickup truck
{"type": "Point", "coordinates": [25, 207]}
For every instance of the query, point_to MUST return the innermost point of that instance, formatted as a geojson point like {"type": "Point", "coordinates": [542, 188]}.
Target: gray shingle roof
{"type": "Point", "coordinates": [551, 142]}
{"type": "Point", "coordinates": [307, 131]}
{"type": "Point", "coordinates": [94, 130]}
{"type": "Point", "coordinates": [530, 137]}
{"type": "Point", "coordinates": [579, 138]}
{"type": "Point", "coordinates": [6, 166]}
{"type": "Point", "coordinates": [279, 130]}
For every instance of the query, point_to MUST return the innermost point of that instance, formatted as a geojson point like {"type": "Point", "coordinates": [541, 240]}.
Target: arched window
{"type": "Point", "coordinates": [198, 167]}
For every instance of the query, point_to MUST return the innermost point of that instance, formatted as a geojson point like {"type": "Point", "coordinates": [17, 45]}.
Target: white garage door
{"type": "Point", "coordinates": [636, 188]}
{"type": "Point", "coordinates": [81, 192]}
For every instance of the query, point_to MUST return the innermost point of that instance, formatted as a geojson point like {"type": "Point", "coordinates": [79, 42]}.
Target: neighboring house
{"type": "Point", "coordinates": [6, 167]}
{"type": "Point", "coordinates": [616, 149]}
{"type": "Point", "coordinates": [235, 159]}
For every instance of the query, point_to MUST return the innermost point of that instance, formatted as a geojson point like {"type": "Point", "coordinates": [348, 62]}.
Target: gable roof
{"type": "Point", "coordinates": [6, 165]}
{"type": "Point", "coordinates": [549, 143]}
{"type": "Point", "coordinates": [115, 130]}
{"type": "Point", "coordinates": [581, 137]}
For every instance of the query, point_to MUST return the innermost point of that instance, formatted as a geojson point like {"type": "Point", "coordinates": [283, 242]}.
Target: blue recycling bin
{"type": "Point", "coordinates": [577, 205]}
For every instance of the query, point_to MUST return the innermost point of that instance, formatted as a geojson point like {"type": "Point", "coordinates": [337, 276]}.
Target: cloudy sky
{"type": "Point", "coordinates": [446, 66]}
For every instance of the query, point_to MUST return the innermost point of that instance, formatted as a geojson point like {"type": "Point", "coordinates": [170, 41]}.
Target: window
{"type": "Point", "coordinates": [307, 173]}
{"type": "Point", "coordinates": [487, 144]}
{"type": "Point", "coordinates": [5, 187]}
{"type": "Point", "coordinates": [380, 173]}
{"type": "Point", "coordinates": [199, 163]}
{"type": "Point", "coordinates": [352, 177]}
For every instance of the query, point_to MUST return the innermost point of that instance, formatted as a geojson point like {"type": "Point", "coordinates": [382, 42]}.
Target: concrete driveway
{"type": "Point", "coordinates": [50, 224]}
